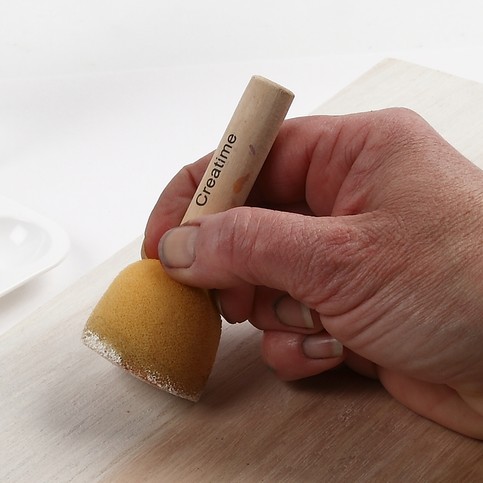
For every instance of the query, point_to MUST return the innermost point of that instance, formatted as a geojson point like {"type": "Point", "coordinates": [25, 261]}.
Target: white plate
{"type": "Point", "coordinates": [30, 244]}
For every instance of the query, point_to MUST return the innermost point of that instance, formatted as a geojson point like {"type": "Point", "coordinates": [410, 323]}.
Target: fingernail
{"type": "Point", "coordinates": [143, 251]}
{"type": "Point", "coordinates": [176, 248]}
{"type": "Point", "coordinates": [216, 299]}
{"type": "Point", "coordinates": [321, 346]}
{"type": "Point", "coordinates": [293, 313]}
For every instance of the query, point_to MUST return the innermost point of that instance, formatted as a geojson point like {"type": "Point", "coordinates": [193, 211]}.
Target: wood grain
{"type": "Point", "coordinates": [66, 414]}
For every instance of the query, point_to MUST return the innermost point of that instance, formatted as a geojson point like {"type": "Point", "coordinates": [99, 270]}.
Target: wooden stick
{"type": "Point", "coordinates": [243, 148]}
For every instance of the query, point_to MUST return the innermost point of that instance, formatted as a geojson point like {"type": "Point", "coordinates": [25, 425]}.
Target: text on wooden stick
{"type": "Point", "coordinates": [221, 159]}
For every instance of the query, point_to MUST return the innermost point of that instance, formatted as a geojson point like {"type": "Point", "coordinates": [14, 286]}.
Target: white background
{"type": "Point", "coordinates": [103, 101]}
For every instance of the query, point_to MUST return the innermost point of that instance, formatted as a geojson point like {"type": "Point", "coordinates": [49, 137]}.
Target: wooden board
{"type": "Point", "coordinates": [66, 414]}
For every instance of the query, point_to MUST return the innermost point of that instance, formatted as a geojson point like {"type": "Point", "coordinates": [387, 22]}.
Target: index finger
{"type": "Point", "coordinates": [172, 204]}
{"type": "Point", "coordinates": [308, 161]}
{"type": "Point", "coordinates": [282, 183]}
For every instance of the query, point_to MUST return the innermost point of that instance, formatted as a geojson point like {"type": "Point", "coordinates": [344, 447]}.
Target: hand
{"type": "Point", "coordinates": [363, 245]}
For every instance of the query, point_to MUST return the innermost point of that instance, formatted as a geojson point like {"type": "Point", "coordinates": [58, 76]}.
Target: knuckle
{"type": "Point", "coordinates": [342, 271]}
{"type": "Point", "coordinates": [396, 118]}
{"type": "Point", "coordinates": [236, 239]}
{"type": "Point", "coordinates": [398, 136]}
{"type": "Point", "coordinates": [401, 128]}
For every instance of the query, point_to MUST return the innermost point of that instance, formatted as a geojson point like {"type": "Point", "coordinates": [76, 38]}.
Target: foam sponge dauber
{"type": "Point", "coordinates": [159, 330]}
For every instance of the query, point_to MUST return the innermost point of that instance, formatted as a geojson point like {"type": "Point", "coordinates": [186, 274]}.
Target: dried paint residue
{"type": "Point", "coordinates": [240, 183]}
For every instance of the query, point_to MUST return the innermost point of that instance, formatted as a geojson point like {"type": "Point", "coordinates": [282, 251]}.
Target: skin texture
{"type": "Point", "coordinates": [373, 223]}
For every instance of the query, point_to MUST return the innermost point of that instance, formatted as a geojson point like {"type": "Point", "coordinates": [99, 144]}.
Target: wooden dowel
{"type": "Point", "coordinates": [243, 148]}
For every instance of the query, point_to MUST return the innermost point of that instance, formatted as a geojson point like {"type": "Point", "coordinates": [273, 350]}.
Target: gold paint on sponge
{"type": "Point", "coordinates": [161, 331]}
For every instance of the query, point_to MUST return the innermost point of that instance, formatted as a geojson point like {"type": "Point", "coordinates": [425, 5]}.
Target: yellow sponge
{"type": "Point", "coordinates": [161, 331]}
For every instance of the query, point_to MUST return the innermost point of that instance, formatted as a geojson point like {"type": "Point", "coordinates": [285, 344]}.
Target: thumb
{"type": "Point", "coordinates": [311, 258]}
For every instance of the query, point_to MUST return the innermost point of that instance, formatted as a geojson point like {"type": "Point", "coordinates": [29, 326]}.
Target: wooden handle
{"type": "Point", "coordinates": [243, 148]}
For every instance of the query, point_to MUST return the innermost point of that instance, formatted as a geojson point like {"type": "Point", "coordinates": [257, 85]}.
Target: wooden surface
{"type": "Point", "coordinates": [66, 414]}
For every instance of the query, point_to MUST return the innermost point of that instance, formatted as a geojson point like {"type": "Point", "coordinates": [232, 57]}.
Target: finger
{"type": "Point", "coordinates": [315, 260]}
{"type": "Point", "coordinates": [235, 303]}
{"type": "Point", "coordinates": [359, 364]}
{"type": "Point", "coordinates": [274, 310]}
{"type": "Point", "coordinates": [248, 302]}
{"type": "Point", "coordinates": [436, 402]}
{"type": "Point", "coordinates": [175, 198]}
{"type": "Point", "coordinates": [271, 189]}
{"type": "Point", "coordinates": [266, 309]}
{"type": "Point", "coordinates": [307, 167]}
{"type": "Point", "coordinates": [325, 145]}
{"type": "Point", "coordinates": [172, 204]}
{"type": "Point", "coordinates": [312, 156]}
{"type": "Point", "coordinates": [296, 356]}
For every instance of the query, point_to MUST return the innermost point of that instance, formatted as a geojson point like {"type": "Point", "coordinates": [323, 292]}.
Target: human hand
{"type": "Point", "coordinates": [362, 245]}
